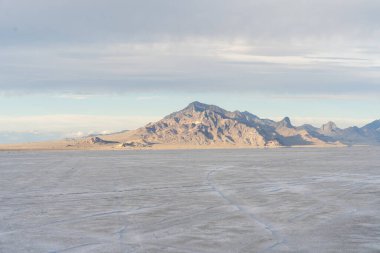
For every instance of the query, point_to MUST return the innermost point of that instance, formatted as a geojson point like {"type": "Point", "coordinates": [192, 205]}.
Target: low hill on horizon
{"type": "Point", "coordinates": [208, 126]}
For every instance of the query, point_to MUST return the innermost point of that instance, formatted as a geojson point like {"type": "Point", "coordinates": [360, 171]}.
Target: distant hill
{"type": "Point", "coordinates": [208, 126]}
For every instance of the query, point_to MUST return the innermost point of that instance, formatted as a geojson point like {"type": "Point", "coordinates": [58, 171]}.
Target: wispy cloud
{"type": "Point", "coordinates": [331, 97]}
{"type": "Point", "coordinates": [190, 65]}
{"type": "Point", "coordinates": [164, 46]}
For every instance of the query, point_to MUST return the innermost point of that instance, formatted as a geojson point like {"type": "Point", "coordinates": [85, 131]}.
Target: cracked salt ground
{"type": "Point", "coordinates": [280, 200]}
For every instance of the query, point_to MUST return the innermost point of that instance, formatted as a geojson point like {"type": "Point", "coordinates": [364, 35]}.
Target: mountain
{"type": "Point", "coordinates": [368, 134]}
{"type": "Point", "coordinates": [330, 129]}
{"type": "Point", "coordinates": [372, 128]}
{"type": "Point", "coordinates": [202, 125]}
{"type": "Point", "coordinates": [208, 126]}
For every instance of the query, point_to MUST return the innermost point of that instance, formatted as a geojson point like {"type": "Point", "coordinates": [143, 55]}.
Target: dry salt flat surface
{"type": "Point", "coordinates": [246, 200]}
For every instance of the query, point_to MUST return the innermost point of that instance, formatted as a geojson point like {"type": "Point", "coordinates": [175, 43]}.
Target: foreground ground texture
{"type": "Point", "coordinates": [277, 200]}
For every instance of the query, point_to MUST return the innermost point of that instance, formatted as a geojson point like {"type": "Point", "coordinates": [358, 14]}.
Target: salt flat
{"type": "Point", "coordinates": [248, 200]}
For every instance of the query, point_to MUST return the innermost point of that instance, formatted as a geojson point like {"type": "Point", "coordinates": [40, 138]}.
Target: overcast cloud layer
{"type": "Point", "coordinates": [269, 47]}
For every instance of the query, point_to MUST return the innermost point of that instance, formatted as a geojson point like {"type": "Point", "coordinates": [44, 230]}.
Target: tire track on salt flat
{"type": "Point", "coordinates": [266, 225]}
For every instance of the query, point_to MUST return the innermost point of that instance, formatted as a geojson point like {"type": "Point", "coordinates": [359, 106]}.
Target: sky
{"type": "Point", "coordinates": [75, 67]}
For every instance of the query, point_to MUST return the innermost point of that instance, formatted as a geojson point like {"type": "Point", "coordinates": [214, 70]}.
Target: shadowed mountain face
{"type": "Point", "coordinates": [208, 125]}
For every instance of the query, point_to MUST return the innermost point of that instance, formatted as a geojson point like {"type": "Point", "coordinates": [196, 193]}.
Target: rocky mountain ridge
{"type": "Point", "coordinates": [208, 125]}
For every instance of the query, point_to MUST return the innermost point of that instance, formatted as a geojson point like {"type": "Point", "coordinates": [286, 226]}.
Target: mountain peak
{"type": "Point", "coordinates": [329, 126]}
{"type": "Point", "coordinates": [196, 104]}
{"type": "Point", "coordinates": [374, 126]}
{"type": "Point", "coordinates": [200, 107]}
{"type": "Point", "coordinates": [285, 122]}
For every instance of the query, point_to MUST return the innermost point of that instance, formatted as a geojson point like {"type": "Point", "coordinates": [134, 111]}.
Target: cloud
{"type": "Point", "coordinates": [43, 21]}
{"type": "Point", "coordinates": [193, 65]}
{"type": "Point", "coordinates": [148, 46]}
